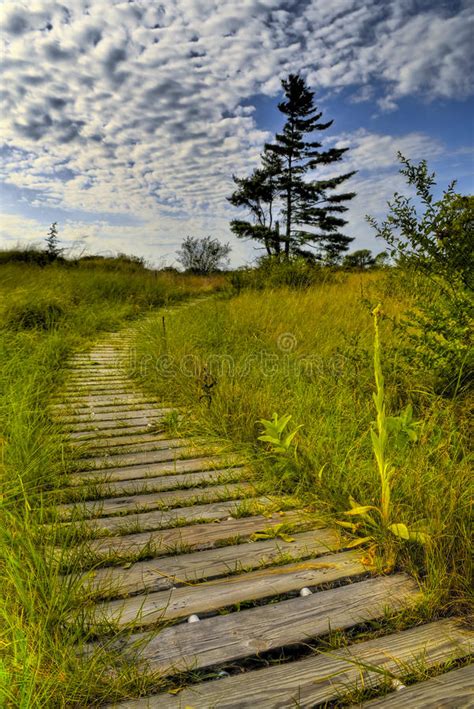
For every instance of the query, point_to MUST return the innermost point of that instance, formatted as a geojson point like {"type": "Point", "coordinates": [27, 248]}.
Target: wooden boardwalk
{"type": "Point", "coordinates": [179, 577]}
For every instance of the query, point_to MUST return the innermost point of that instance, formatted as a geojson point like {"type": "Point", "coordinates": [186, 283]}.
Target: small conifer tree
{"type": "Point", "coordinates": [52, 242]}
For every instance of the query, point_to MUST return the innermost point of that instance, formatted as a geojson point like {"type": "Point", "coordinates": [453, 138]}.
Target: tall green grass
{"type": "Point", "coordinates": [309, 353]}
{"type": "Point", "coordinates": [46, 313]}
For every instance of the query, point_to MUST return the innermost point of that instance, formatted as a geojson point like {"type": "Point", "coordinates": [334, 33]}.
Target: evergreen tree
{"type": "Point", "coordinates": [281, 187]}
{"type": "Point", "coordinates": [308, 204]}
{"type": "Point", "coordinates": [258, 193]}
{"type": "Point", "coordinates": [360, 259]}
{"type": "Point", "coordinates": [52, 242]}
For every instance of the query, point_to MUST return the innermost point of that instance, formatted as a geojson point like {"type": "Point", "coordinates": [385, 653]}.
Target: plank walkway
{"type": "Point", "coordinates": [176, 573]}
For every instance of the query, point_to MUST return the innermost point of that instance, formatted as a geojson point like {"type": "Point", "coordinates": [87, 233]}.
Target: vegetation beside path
{"type": "Point", "coordinates": [46, 314]}
{"type": "Point", "coordinates": [309, 354]}
{"type": "Point", "coordinates": [304, 348]}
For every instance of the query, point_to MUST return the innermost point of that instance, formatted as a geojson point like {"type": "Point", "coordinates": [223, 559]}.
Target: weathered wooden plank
{"type": "Point", "coordinates": [138, 444]}
{"type": "Point", "coordinates": [92, 434]}
{"type": "Point", "coordinates": [156, 442]}
{"type": "Point", "coordinates": [128, 384]}
{"type": "Point", "coordinates": [72, 392]}
{"type": "Point", "coordinates": [168, 450]}
{"type": "Point", "coordinates": [199, 536]}
{"type": "Point", "coordinates": [108, 394]}
{"type": "Point", "coordinates": [146, 470]}
{"type": "Point", "coordinates": [68, 410]}
{"type": "Point", "coordinates": [122, 442]}
{"type": "Point", "coordinates": [103, 400]}
{"type": "Point", "coordinates": [84, 376]}
{"type": "Point", "coordinates": [85, 427]}
{"type": "Point", "coordinates": [324, 678]}
{"type": "Point", "coordinates": [91, 369]}
{"type": "Point", "coordinates": [120, 415]}
{"type": "Point", "coordinates": [251, 632]}
{"type": "Point", "coordinates": [165, 482]}
{"type": "Point", "coordinates": [110, 359]}
{"type": "Point", "coordinates": [156, 519]}
{"type": "Point", "coordinates": [165, 572]}
{"type": "Point", "coordinates": [85, 382]}
{"type": "Point", "coordinates": [205, 598]}
{"type": "Point", "coordinates": [109, 377]}
{"type": "Point", "coordinates": [93, 358]}
{"type": "Point", "coordinates": [453, 690]}
{"type": "Point", "coordinates": [135, 503]}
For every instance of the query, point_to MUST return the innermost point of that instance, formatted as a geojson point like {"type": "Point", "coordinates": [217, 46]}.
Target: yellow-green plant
{"type": "Point", "coordinates": [384, 426]}
{"type": "Point", "coordinates": [274, 433]}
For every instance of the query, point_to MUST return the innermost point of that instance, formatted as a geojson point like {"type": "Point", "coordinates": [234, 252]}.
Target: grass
{"type": "Point", "coordinates": [309, 353]}
{"type": "Point", "coordinates": [230, 362]}
{"type": "Point", "coordinates": [46, 314]}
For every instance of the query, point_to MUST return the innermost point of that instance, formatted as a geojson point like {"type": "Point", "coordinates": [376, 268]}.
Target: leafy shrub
{"type": "Point", "coordinates": [33, 256]}
{"type": "Point", "coordinates": [437, 244]}
{"type": "Point", "coordinates": [203, 256]}
{"type": "Point", "coordinates": [121, 262]}
{"type": "Point", "coordinates": [270, 273]}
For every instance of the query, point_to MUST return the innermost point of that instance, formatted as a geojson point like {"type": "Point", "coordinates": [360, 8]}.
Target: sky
{"type": "Point", "coordinates": [125, 121]}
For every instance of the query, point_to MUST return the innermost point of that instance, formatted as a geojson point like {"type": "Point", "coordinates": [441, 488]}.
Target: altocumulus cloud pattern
{"type": "Point", "coordinates": [144, 109]}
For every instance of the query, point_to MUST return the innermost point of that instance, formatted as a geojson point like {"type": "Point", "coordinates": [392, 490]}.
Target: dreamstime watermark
{"type": "Point", "coordinates": [287, 342]}
{"type": "Point", "coordinates": [285, 362]}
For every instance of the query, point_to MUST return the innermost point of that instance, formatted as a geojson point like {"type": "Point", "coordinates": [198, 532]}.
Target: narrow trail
{"type": "Point", "coordinates": [197, 592]}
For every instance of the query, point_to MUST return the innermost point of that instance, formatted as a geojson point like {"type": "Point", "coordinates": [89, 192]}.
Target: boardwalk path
{"type": "Point", "coordinates": [171, 512]}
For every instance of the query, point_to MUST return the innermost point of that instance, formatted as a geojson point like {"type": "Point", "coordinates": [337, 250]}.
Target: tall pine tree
{"type": "Point", "coordinates": [308, 208]}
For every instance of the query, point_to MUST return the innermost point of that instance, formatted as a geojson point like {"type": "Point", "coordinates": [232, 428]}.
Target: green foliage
{"type": "Point", "coordinates": [278, 531]}
{"type": "Point", "coordinates": [437, 244]}
{"type": "Point", "coordinates": [257, 194]}
{"type": "Point", "coordinates": [385, 427]}
{"type": "Point", "coordinates": [30, 255]}
{"type": "Point", "coordinates": [438, 337]}
{"type": "Point", "coordinates": [359, 260]}
{"type": "Point", "coordinates": [121, 262]}
{"type": "Point", "coordinates": [325, 379]}
{"type": "Point", "coordinates": [295, 273]}
{"type": "Point", "coordinates": [52, 242]}
{"type": "Point", "coordinates": [32, 311]}
{"type": "Point", "coordinates": [46, 313]}
{"type": "Point", "coordinates": [309, 209]}
{"type": "Point", "coordinates": [275, 433]}
{"type": "Point", "coordinates": [203, 256]}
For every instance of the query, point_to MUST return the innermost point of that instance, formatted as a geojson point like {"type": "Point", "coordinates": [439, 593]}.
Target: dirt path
{"type": "Point", "coordinates": [195, 591]}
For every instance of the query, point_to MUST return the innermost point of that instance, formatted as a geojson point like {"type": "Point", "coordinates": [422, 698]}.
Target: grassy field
{"type": "Point", "coordinates": [230, 361]}
{"type": "Point", "coordinates": [46, 314]}
{"type": "Point", "coordinates": [310, 354]}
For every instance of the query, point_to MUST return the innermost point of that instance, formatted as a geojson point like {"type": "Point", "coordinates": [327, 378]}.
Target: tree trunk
{"type": "Point", "coordinates": [288, 211]}
{"type": "Point", "coordinates": [277, 239]}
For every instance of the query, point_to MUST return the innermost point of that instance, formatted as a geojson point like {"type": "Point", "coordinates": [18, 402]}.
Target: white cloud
{"type": "Point", "coordinates": [133, 109]}
{"type": "Point", "coordinates": [375, 152]}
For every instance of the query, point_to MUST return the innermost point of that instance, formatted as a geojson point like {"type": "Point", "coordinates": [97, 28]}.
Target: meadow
{"type": "Point", "coordinates": [46, 313]}
{"type": "Point", "coordinates": [309, 354]}
{"type": "Point", "coordinates": [256, 345]}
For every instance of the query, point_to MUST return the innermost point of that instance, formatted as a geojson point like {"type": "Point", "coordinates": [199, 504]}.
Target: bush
{"type": "Point", "coordinates": [31, 256]}
{"type": "Point", "coordinates": [121, 262]}
{"type": "Point", "coordinates": [437, 245]}
{"type": "Point", "coordinates": [271, 273]}
{"type": "Point", "coordinates": [203, 256]}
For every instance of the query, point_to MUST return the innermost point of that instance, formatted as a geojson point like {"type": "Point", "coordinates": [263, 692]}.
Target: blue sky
{"type": "Point", "coordinates": [124, 121]}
